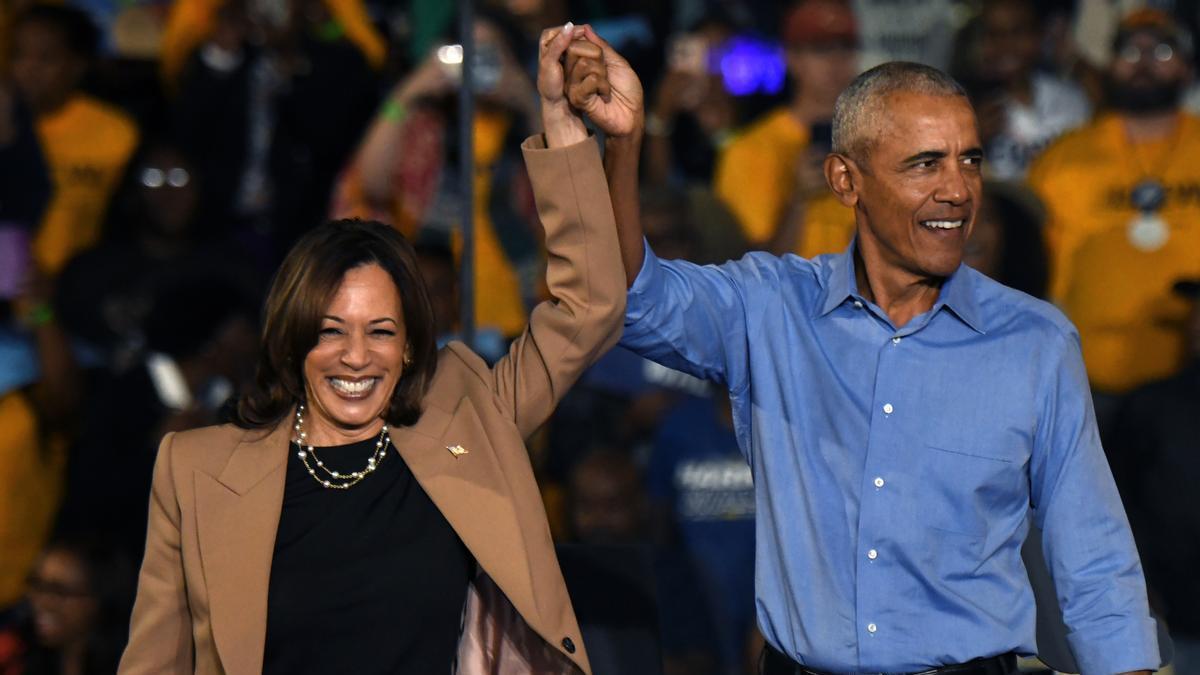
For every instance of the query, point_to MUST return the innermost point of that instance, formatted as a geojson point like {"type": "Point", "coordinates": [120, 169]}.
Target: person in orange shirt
{"type": "Point", "coordinates": [1124, 209]}
{"type": "Point", "coordinates": [86, 142]}
{"type": "Point", "coordinates": [770, 175]}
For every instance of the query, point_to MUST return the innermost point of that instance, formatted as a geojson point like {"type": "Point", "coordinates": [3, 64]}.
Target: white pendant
{"type": "Point", "coordinates": [1148, 232]}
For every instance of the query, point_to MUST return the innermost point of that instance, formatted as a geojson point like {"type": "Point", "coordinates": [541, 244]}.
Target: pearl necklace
{"type": "Point", "coordinates": [341, 481]}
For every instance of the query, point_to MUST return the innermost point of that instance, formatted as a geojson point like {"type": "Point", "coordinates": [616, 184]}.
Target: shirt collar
{"type": "Point", "coordinates": [840, 284]}
{"type": "Point", "coordinates": [957, 294]}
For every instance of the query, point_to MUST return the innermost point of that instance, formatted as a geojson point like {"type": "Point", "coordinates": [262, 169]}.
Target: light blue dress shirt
{"type": "Point", "coordinates": [896, 468]}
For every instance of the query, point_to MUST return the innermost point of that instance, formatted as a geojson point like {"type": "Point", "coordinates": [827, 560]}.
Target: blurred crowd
{"type": "Point", "coordinates": [157, 157]}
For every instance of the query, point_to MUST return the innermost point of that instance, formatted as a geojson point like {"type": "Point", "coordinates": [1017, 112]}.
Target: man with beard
{"type": "Point", "coordinates": [1123, 195]}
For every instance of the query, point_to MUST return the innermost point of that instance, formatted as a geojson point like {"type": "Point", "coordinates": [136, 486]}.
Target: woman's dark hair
{"type": "Point", "coordinates": [300, 293]}
{"type": "Point", "coordinates": [111, 580]}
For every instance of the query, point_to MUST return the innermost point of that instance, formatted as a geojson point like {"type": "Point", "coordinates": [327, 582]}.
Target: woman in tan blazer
{"type": "Point", "coordinates": [298, 541]}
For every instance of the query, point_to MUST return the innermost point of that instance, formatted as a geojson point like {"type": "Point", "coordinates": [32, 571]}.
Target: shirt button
{"type": "Point", "coordinates": [887, 408]}
{"type": "Point", "coordinates": [872, 554]}
{"type": "Point", "coordinates": [858, 304]}
{"type": "Point", "coordinates": [896, 340]}
{"type": "Point", "coordinates": [569, 645]}
{"type": "Point", "coordinates": [878, 482]}
{"type": "Point", "coordinates": [871, 628]}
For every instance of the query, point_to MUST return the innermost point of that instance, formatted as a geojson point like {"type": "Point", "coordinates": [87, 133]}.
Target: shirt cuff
{"type": "Point", "coordinates": [639, 299]}
{"type": "Point", "coordinates": [1117, 646]}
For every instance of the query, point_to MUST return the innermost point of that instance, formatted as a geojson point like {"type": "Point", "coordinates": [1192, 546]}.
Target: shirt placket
{"type": "Point", "coordinates": [876, 501]}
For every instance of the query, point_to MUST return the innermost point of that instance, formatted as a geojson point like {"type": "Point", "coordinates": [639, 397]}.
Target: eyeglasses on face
{"type": "Point", "coordinates": [1161, 52]}
{"type": "Point", "coordinates": [154, 177]}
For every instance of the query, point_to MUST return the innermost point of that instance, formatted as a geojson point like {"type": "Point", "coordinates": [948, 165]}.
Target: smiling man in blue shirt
{"type": "Point", "coordinates": [904, 416]}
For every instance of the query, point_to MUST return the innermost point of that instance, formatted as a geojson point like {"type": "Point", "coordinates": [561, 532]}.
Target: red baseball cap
{"type": "Point", "coordinates": [820, 22]}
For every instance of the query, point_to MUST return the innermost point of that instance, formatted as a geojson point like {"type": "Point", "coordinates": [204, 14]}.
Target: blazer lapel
{"type": "Point", "coordinates": [472, 492]}
{"type": "Point", "coordinates": [237, 516]}
{"type": "Point", "coordinates": [238, 512]}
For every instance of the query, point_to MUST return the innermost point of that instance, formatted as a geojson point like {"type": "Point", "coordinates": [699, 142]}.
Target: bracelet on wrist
{"type": "Point", "coordinates": [393, 111]}
{"type": "Point", "coordinates": [39, 315]}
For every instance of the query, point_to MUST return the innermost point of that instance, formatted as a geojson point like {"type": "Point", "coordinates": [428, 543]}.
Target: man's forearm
{"type": "Point", "coordinates": [621, 168]}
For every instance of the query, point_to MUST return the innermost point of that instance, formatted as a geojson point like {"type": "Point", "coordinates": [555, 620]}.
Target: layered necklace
{"type": "Point", "coordinates": [335, 480]}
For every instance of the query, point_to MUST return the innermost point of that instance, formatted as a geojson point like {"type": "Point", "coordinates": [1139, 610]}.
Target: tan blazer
{"type": "Point", "coordinates": [215, 505]}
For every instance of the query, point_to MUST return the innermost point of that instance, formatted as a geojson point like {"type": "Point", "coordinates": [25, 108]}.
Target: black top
{"type": "Point", "coordinates": [369, 580]}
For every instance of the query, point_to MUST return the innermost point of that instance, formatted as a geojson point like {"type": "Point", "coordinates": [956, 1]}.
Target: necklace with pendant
{"type": "Point", "coordinates": [1148, 231]}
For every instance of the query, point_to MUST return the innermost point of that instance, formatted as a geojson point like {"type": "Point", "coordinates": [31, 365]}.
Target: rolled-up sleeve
{"type": "Point", "coordinates": [691, 318]}
{"type": "Point", "coordinates": [1086, 534]}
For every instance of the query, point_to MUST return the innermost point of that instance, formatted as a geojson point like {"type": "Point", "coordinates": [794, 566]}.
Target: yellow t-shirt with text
{"type": "Point", "coordinates": [756, 176]}
{"type": "Point", "coordinates": [1131, 324]}
{"type": "Point", "coordinates": [1086, 179]}
{"type": "Point", "coordinates": [1119, 296]}
{"type": "Point", "coordinates": [87, 145]}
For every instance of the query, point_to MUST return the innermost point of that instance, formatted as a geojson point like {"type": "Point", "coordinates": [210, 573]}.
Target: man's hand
{"type": "Point", "coordinates": [601, 84]}
{"type": "Point", "coordinates": [562, 125]}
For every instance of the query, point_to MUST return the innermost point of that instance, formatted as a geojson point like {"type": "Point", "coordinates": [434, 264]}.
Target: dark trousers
{"type": "Point", "coordinates": [774, 662]}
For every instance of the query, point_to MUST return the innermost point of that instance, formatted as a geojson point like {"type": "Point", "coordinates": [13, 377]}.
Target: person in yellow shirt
{"type": "Point", "coordinates": [86, 143]}
{"type": "Point", "coordinates": [769, 175]}
{"type": "Point", "coordinates": [1123, 196]}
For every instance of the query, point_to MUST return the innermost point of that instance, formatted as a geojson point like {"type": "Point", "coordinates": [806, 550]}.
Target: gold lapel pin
{"type": "Point", "coordinates": [457, 450]}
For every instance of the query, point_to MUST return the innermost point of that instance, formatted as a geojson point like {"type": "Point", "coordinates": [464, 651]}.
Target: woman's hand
{"type": "Point", "coordinates": [563, 125]}
{"type": "Point", "coordinates": [601, 84]}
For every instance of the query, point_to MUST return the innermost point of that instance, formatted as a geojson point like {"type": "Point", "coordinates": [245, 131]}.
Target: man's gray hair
{"type": "Point", "coordinates": [858, 111]}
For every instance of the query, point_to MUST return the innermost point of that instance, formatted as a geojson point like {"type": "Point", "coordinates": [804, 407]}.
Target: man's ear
{"type": "Point", "coordinates": [843, 177]}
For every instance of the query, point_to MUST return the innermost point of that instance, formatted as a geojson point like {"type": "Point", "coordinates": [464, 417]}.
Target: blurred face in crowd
{"type": "Point", "coordinates": [351, 373]}
{"type": "Point", "coordinates": [44, 69]}
{"type": "Point", "coordinates": [493, 61]}
{"type": "Point", "coordinates": [64, 607]}
{"type": "Point", "coordinates": [1010, 40]}
{"type": "Point", "coordinates": [919, 185]}
{"type": "Point", "coordinates": [1148, 74]}
{"type": "Point", "coordinates": [607, 503]}
{"type": "Point", "coordinates": [168, 190]}
{"type": "Point", "coordinates": [985, 246]}
{"type": "Point", "coordinates": [822, 70]}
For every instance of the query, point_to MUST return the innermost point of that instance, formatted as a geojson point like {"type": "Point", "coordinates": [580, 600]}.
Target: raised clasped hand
{"type": "Point", "coordinates": [601, 84]}
{"type": "Point", "coordinates": [563, 126]}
